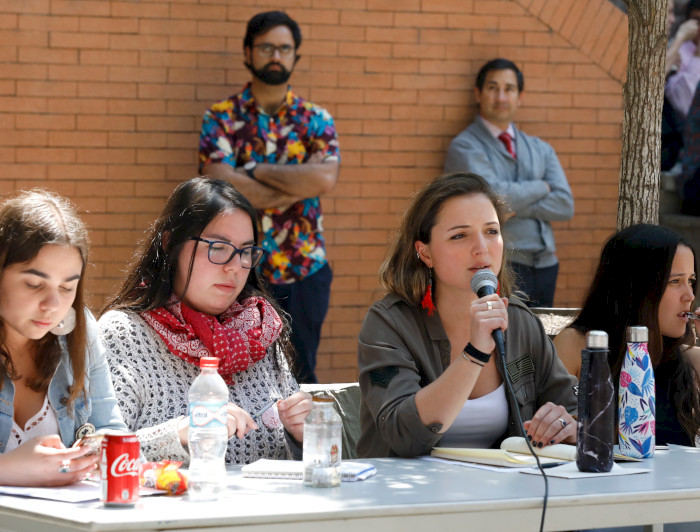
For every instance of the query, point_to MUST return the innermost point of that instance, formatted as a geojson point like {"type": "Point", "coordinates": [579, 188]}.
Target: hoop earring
{"type": "Point", "coordinates": [66, 325]}
{"type": "Point", "coordinates": [427, 302]}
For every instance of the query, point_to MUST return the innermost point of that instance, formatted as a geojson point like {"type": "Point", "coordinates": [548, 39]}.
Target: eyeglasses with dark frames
{"type": "Point", "coordinates": [222, 253]}
{"type": "Point", "coordinates": [268, 50]}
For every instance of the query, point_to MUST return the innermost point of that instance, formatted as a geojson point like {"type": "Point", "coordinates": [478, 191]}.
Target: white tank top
{"type": "Point", "coordinates": [43, 423]}
{"type": "Point", "coordinates": [480, 422]}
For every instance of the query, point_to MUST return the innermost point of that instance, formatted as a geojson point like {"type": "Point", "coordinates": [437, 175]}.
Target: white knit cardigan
{"type": "Point", "coordinates": [152, 388]}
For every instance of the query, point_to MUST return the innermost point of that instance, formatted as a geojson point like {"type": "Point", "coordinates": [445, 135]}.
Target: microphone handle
{"type": "Point", "coordinates": [497, 333]}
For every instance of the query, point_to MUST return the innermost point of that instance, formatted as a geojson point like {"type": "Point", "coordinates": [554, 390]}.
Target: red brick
{"type": "Point", "coordinates": [47, 22]}
{"type": "Point", "coordinates": [106, 90]}
{"type": "Point", "coordinates": [74, 172]}
{"type": "Point", "coordinates": [78, 139]}
{"type": "Point", "coordinates": [344, 33]}
{"type": "Point", "coordinates": [41, 7]}
{"type": "Point", "coordinates": [78, 73]}
{"type": "Point", "coordinates": [35, 172]}
{"type": "Point", "coordinates": [150, 10]}
{"type": "Point", "coordinates": [360, 18]}
{"type": "Point", "coordinates": [38, 72]}
{"type": "Point", "coordinates": [78, 40]}
{"type": "Point", "coordinates": [108, 57]}
{"type": "Point", "coordinates": [47, 55]}
{"type": "Point", "coordinates": [158, 91]}
{"type": "Point", "coordinates": [109, 25]}
{"type": "Point", "coordinates": [79, 7]}
{"type": "Point", "coordinates": [137, 74]}
{"type": "Point", "coordinates": [173, 59]}
{"type": "Point", "coordinates": [45, 121]}
{"type": "Point", "coordinates": [48, 155]}
{"type": "Point", "coordinates": [421, 51]}
{"type": "Point", "coordinates": [139, 42]}
{"type": "Point", "coordinates": [47, 88]}
{"type": "Point", "coordinates": [177, 27]}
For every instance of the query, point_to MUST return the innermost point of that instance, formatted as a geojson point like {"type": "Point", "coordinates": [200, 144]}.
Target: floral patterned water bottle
{"type": "Point", "coordinates": [637, 398]}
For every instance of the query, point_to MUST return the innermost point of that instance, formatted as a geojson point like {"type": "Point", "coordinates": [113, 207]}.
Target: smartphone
{"type": "Point", "coordinates": [92, 441]}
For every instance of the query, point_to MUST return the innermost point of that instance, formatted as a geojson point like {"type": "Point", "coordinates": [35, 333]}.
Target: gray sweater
{"type": "Point", "coordinates": [523, 183]}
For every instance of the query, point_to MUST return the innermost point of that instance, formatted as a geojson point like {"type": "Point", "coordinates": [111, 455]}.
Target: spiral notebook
{"type": "Point", "coordinates": [294, 469]}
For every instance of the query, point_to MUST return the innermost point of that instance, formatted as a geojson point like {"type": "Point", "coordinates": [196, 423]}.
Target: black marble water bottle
{"type": "Point", "coordinates": [596, 407]}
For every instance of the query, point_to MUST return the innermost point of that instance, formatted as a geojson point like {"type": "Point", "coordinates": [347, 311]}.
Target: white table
{"type": "Point", "coordinates": [405, 495]}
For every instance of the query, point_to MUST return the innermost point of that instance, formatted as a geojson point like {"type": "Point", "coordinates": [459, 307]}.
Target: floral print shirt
{"type": "Point", "coordinates": [236, 130]}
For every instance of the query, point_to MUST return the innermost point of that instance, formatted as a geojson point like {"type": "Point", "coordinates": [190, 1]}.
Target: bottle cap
{"type": "Point", "coordinates": [208, 362]}
{"type": "Point", "coordinates": [597, 340]}
{"type": "Point", "coordinates": [323, 397]}
{"type": "Point", "coordinates": [637, 334]}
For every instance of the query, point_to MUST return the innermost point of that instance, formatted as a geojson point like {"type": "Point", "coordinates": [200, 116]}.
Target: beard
{"type": "Point", "coordinates": [270, 77]}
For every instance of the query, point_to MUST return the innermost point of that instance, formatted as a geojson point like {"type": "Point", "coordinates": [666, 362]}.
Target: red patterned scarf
{"type": "Point", "coordinates": [238, 338]}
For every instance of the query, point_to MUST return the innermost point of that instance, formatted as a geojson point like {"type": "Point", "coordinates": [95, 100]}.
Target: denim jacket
{"type": "Point", "coordinates": [101, 407]}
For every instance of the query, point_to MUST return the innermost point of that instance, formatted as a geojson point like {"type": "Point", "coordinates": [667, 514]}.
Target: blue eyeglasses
{"type": "Point", "coordinates": [223, 253]}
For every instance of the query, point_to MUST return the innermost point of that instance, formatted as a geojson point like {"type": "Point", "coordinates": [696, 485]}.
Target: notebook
{"type": "Point", "coordinates": [515, 453]}
{"type": "Point", "coordinates": [294, 469]}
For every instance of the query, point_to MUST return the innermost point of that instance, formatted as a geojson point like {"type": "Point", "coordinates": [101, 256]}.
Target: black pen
{"type": "Point", "coordinates": [552, 464]}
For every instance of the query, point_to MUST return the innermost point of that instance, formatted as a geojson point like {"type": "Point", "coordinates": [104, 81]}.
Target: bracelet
{"type": "Point", "coordinates": [472, 360]}
{"type": "Point", "coordinates": [479, 355]}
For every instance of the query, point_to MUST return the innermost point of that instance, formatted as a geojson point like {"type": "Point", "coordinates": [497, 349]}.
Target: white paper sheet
{"type": "Point", "coordinates": [570, 470]}
{"type": "Point", "coordinates": [83, 491]}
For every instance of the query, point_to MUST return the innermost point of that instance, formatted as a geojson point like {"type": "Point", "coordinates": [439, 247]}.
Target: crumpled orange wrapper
{"type": "Point", "coordinates": [165, 475]}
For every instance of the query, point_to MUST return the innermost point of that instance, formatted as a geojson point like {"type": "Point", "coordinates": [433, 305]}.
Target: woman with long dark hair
{"type": "Point", "coordinates": [54, 380]}
{"type": "Point", "coordinates": [428, 373]}
{"type": "Point", "coordinates": [646, 276]}
{"type": "Point", "coordinates": [193, 291]}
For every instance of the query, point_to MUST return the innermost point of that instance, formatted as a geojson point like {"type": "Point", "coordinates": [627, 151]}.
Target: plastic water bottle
{"type": "Point", "coordinates": [637, 395]}
{"type": "Point", "coordinates": [208, 434]}
{"type": "Point", "coordinates": [323, 444]}
{"type": "Point", "coordinates": [596, 407]}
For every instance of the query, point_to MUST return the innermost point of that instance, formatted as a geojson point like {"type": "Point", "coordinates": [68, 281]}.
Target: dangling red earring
{"type": "Point", "coordinates": [427, 302]}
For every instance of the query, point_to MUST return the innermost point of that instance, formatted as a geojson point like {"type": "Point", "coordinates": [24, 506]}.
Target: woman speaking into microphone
{"type": "Point", "coordinates": [429, 370]}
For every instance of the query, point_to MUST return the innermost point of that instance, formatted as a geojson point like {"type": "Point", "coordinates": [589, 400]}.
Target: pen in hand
{"type": "Point", "coordinates": [260, 412]}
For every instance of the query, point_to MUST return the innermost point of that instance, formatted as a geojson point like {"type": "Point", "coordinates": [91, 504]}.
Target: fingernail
{"type": "Point", "coordinates": [551, 442]}
{"type": "Point", "coordinates": [540, 444]}
{"type": "Point", "coordinates": [529, 437]}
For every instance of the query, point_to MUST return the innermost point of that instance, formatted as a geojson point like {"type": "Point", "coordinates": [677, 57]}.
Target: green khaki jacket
{"type": "Point", "coordinates": [402, 349]}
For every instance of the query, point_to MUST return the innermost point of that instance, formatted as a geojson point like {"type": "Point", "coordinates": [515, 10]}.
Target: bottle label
{"type": "Point", "coordinates": [335, 455]}
{"type": "Point", "coordinates": [207, 414]}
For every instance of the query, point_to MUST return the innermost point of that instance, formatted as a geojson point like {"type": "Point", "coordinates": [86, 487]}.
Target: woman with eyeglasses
{"type": "Point", "coordinates": [192, 291]}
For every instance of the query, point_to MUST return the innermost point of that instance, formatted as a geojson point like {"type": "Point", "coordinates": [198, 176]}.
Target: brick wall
{"type": "Point", "coordinates": [101, 100]}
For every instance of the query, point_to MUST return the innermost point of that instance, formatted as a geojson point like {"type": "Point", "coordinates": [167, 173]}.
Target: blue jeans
{"type": "Point", "coordinates": [538, 283]}
{"type": "Point", "coordinates": [306, 302]}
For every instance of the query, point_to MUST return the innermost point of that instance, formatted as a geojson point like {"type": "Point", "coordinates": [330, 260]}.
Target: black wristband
{"type": "Point", "coordinates": [478, 355]}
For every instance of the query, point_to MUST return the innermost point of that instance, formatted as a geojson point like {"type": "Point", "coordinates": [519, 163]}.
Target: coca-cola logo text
{"type": "Point", "coordinates": [123, 466]}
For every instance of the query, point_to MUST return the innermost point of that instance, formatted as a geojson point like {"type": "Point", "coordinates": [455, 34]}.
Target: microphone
{"type": "Point", "coordinates": [485, 283]}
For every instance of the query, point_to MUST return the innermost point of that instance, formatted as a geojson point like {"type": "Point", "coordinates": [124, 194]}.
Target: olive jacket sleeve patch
{"type": "Point", "coordinates": [382, 377]}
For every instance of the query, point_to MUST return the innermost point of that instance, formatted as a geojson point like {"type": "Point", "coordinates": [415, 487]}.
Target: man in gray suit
{"type": "Point", "coordinates": [524, 170]}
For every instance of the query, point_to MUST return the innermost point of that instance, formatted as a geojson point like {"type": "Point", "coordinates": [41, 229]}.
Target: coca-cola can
{"type": "Point", "coordinates": [119, 469]}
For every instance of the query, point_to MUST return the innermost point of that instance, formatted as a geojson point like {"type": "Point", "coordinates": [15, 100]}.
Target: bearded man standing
{"type": "Point", "coordinates": [281, 152]}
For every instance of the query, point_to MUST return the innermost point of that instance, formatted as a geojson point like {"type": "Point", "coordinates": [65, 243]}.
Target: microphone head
{"type": "Point", "coordinates": [484, 278]}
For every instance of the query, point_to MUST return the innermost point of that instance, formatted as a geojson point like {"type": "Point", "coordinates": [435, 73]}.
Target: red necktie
{"type": "Point", "coordinates": [507, 142]}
